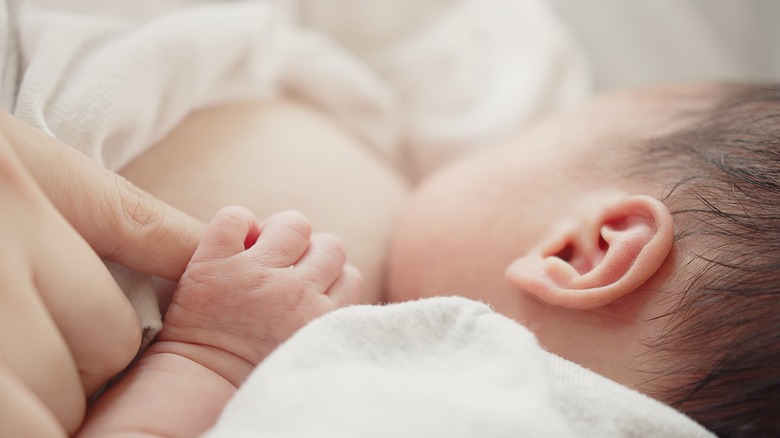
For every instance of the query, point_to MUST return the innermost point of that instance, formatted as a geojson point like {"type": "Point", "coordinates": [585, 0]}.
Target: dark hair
{"type": "Point", "coordinates": [723, 176]}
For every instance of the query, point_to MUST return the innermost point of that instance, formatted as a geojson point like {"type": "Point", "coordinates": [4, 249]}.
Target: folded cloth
{"type": "Point", "coordinates": [447, 367]}
{"type": "Point", "coordinates": [144, 294]}
{"type": "Point", "coordinates": [112, 81]}
{"type": "Point", "coordinates": [465, 71]}
{"type": "Point", "coordinates": [436, 76]}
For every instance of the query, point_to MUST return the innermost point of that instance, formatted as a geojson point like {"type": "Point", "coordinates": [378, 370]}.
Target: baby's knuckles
{"type": "Point", "coordinates": [249, 319]}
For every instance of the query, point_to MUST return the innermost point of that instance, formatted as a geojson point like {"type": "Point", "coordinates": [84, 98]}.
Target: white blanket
{"type": "Point", "coordinates": [439, 367]}
{"type": "Point", "coordinates": [424, 79]}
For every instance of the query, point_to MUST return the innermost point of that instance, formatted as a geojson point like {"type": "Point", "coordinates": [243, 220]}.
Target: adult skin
{"type": "Point", "coordinates": [121, 223]}
{"type": "Point", "coordinates": [66, 326]}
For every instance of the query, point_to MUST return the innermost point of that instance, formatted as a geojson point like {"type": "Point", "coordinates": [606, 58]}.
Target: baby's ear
{"type": "Point", "coordinates": [607, 253]}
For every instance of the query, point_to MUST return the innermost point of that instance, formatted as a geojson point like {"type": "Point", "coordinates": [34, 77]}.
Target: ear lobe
{"type": "Point", "coordinates": [607, 253]}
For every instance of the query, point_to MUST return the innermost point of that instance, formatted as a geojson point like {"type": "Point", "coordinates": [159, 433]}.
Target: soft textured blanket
{"type": "Point", "coordinates": [439, 367]}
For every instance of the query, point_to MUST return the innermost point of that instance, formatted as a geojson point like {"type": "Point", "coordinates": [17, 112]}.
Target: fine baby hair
{"type": "Point", "coordinates": [722, 179]}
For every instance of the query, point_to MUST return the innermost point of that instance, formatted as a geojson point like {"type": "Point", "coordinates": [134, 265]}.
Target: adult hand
{"type": "Point", "coordinates": [65, 326]}
{"type": "Point", "coordinates": [120, 221]}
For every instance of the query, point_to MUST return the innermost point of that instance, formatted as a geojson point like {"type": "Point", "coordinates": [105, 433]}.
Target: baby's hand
{"type": "Point", "coordinates": [248, 288]}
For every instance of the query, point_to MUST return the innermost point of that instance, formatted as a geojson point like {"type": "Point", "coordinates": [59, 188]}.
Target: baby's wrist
{"type": "Point", "coordinates": [222, 363]}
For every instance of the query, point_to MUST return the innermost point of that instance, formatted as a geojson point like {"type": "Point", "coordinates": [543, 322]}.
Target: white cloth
{"type": "Point", "coordinates": [9, 54]}
{"type": "Point", "coordinates": [439, 367]}
{"type": "Point", "coordinates": [463, 71]}
{"type": "Point", "coordinates": [425, 80]}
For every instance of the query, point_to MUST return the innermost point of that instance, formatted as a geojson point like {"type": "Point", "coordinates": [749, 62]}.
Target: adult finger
{"type": "Point", "coordinates": [66, 327]}
{"type": "Point", "coordinates": [120, 221]}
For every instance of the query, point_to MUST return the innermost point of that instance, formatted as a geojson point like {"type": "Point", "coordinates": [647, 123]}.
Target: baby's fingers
{"type": "Point", "coordinates": [348, 288]}
{"type": "Point", "coordinates": [230, 231]}
{"type": "Point", "coordinates": [323, 262]}
{"type": "Point", "coordinates": [325, 271]}
{"type": "Point", "coordinates": [283, 239]}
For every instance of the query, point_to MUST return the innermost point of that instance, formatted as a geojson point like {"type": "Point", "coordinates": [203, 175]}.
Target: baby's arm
{"type": "Point", "coordinates": [237, 301]}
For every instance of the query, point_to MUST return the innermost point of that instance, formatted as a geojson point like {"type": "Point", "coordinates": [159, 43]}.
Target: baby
{"type": "Point", "coordinates": [638, 236]}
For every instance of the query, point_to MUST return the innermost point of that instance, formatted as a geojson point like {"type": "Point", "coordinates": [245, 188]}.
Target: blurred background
{"type": "Point", "coordinates": [635, 42]}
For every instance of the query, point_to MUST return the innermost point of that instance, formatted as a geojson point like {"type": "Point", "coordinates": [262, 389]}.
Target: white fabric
{"type": "Point", "coordinates": [440, 367]}
{"type": "Point", "coordinates": [9, 54]}
{"type": "Point", "coordinates": [464, 71]}
{"type": "Point", "coordinates": [435, 77]}
{"type": "Point", "coordinates": [112, 85]}
{"type": "Point", "coordinates": [143, 293]}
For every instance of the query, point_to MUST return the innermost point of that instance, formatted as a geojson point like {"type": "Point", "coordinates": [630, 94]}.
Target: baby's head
{"type": "Point", "coordinates": [638, 236]}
